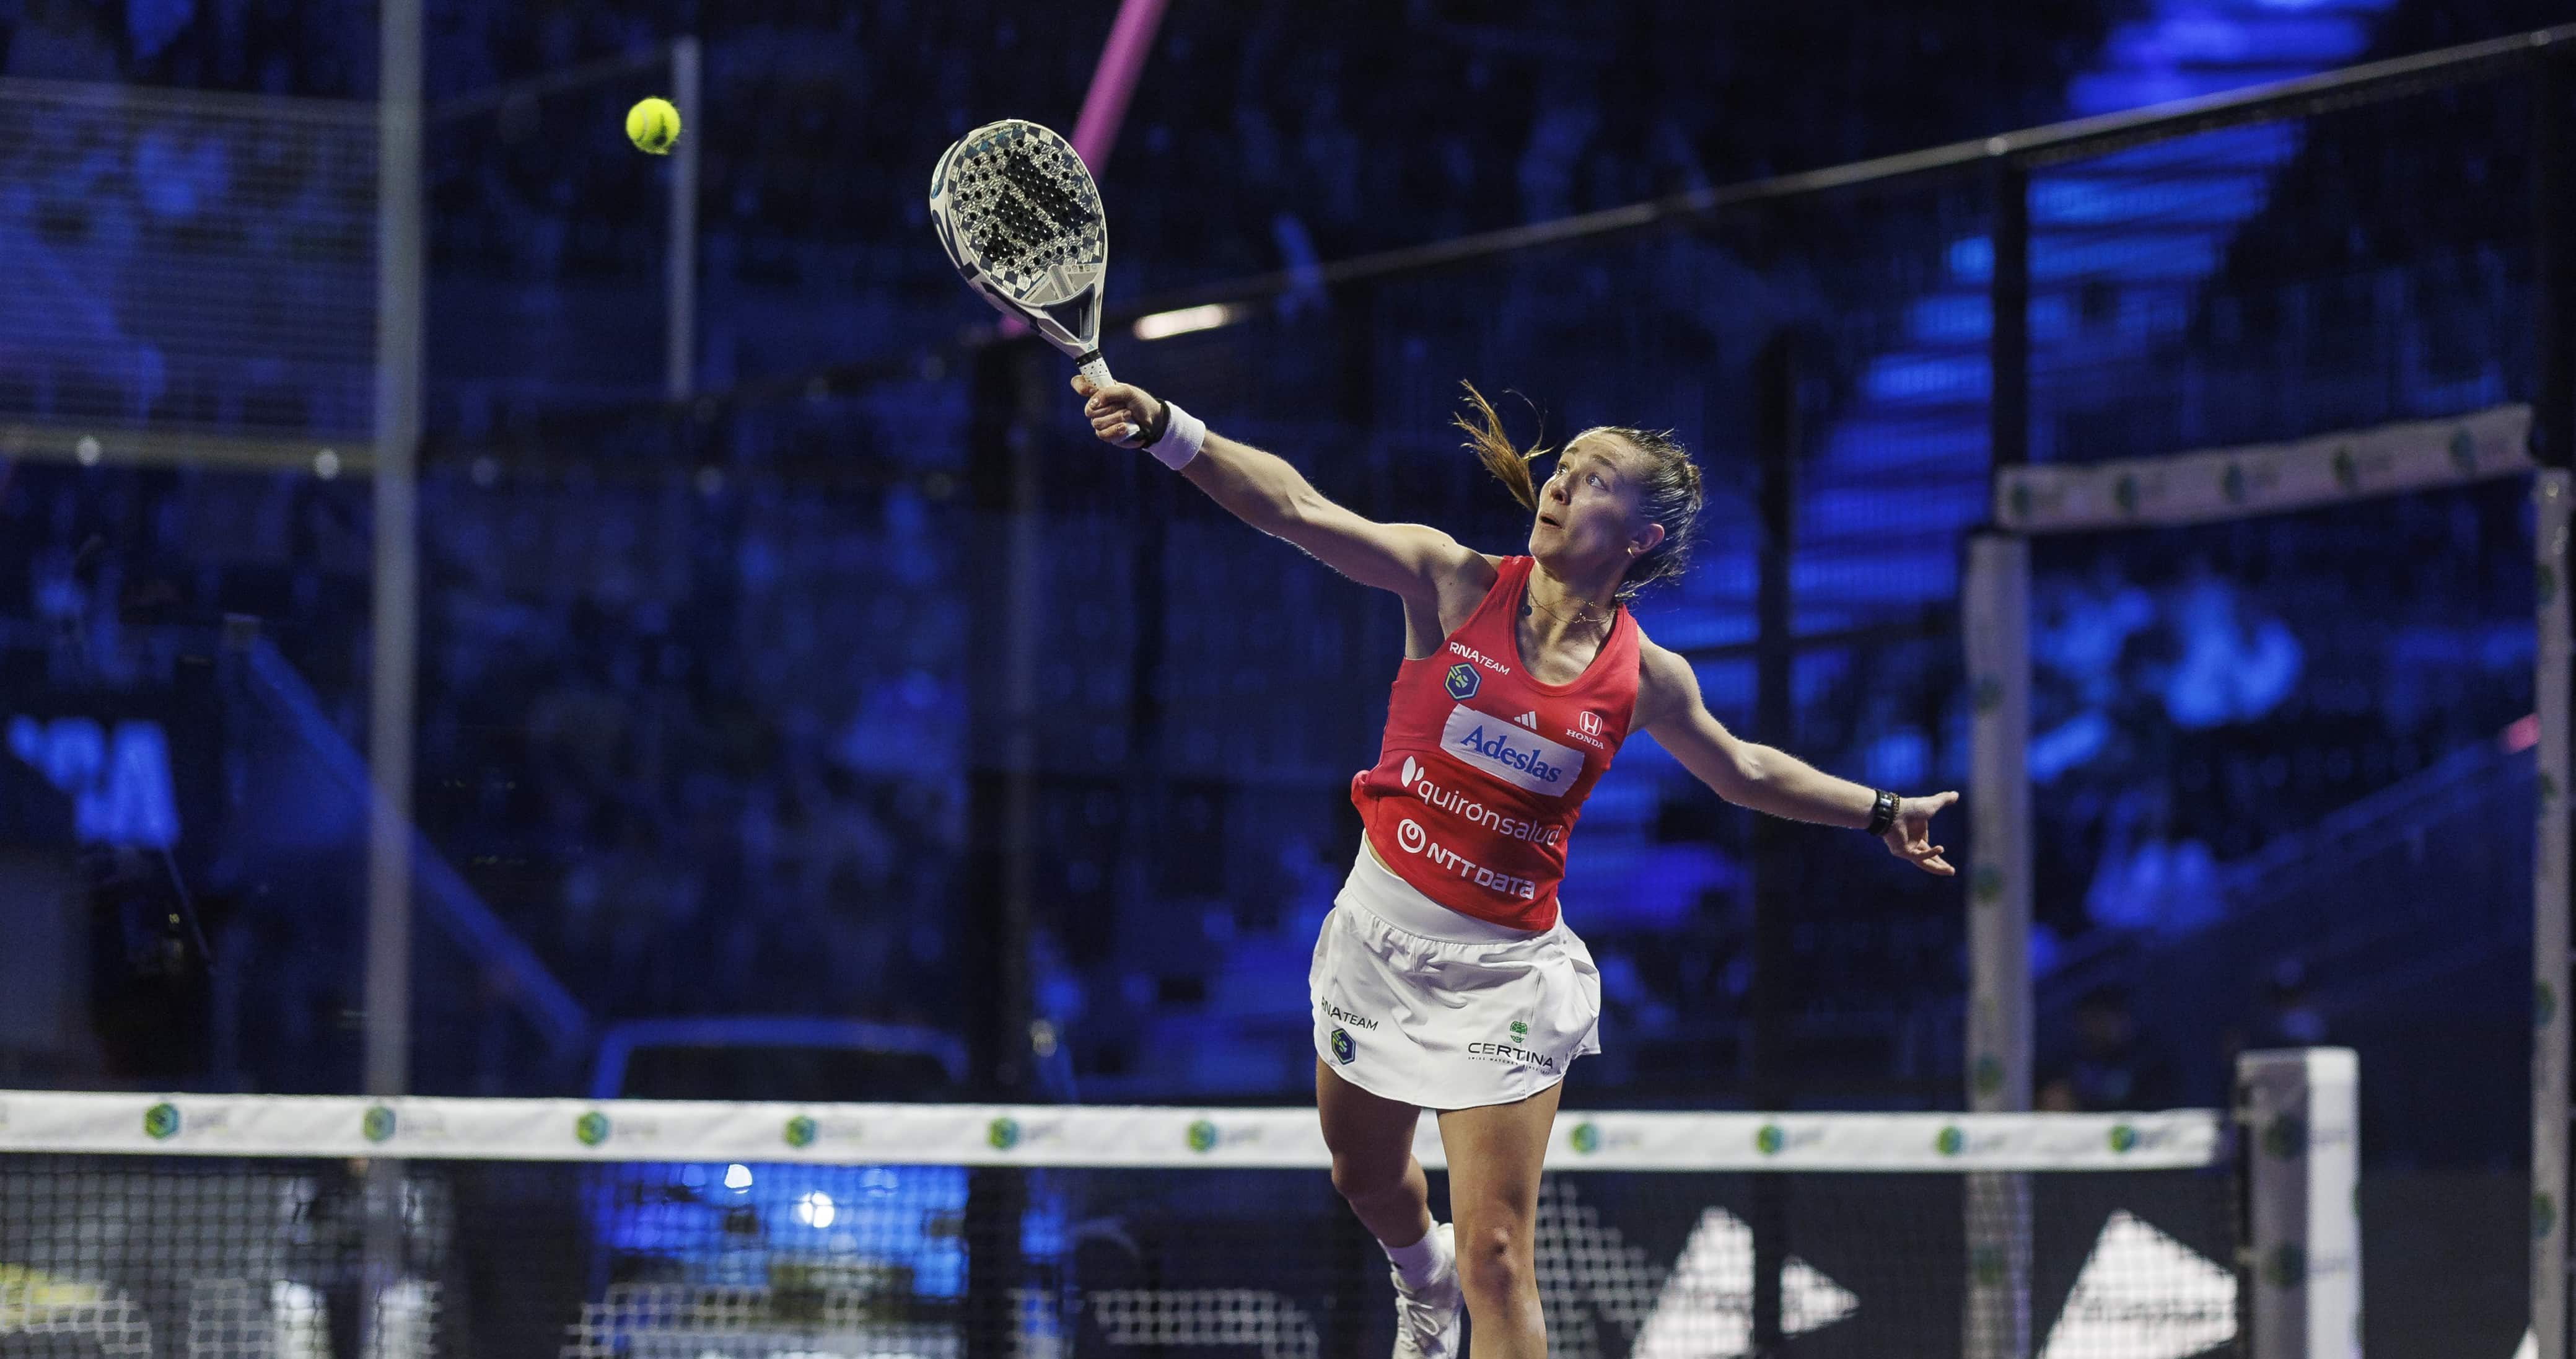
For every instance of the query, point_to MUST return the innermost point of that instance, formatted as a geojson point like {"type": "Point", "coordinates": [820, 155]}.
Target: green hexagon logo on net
{"type": "Point", "coordinates": [1202, 1135]}
{"type": "Point", "coordinates": [1002, 1133]}
{"type": "Point", "coordinates": [590, 1129]}
{"type": "Point", "coordinates": [1986, 1265]}
{"type": "Point", "coordinates": [1951, 1141]}
{"type": "Point", "coordinates": [378, 1125]}
{"type": "Point", "coordinates": [161, 1122]}
{"type": "Point", "coordinates": [1585, 1138]}
{"type": "Point", "coordinates": [1769, 1139]}
{"type": "Point", "coordinates": [800, 1131]}
{"type": "Point", "coordinates": [2288, 1266]}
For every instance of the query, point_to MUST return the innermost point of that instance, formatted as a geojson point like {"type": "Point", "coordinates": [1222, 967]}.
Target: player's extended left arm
{"type": "Point", "coordinates": [1768, 780]}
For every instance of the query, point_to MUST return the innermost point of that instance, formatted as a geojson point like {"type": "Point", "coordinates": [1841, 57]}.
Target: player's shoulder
{"type": "Point", "coordinates": [1465, 566]}
{"type": "Point", "coordinates": [1460, 579]}
{"type": "Point", "coordinates": [1665, 681]}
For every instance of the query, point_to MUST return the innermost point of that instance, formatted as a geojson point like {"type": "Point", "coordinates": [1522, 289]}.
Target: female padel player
{"type": "Point", "coordinates": [1445, 978]}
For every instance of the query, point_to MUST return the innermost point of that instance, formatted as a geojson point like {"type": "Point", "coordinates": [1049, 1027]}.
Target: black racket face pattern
{"type": "Point", "coordinates": [1017, 212]}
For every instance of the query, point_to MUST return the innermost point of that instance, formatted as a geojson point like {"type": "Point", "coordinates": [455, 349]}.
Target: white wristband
{"type": "Point", "coordinates": [1182, 435]}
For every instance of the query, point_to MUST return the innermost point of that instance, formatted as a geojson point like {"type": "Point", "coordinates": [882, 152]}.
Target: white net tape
{"type": "Point", "coordinates": [242, 1227]}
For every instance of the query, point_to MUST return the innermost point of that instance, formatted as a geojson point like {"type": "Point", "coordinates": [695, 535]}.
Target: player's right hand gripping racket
{"type": "Point", "coordinates": [1017, 212]}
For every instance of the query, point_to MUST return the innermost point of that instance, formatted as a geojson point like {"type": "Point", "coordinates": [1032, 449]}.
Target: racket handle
{"type": "Point", "coordinates": [1096, 369]}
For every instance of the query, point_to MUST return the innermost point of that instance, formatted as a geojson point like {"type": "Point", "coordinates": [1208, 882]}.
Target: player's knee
{"type": "Point", "coordinates": [1494, 1265]}
{"type": "Point", "coordinates": [1360, 1179]}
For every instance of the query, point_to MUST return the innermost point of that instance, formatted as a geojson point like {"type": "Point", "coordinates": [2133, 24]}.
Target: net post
{"type": "Point", "coordinates": [680, 264]}
{"type": "Point", "coordinates": [1995, 611]}
{"type": "Point", "coordinates": [2553, 490]}
{"type": "Point", "coordinates": [2299, 1261]}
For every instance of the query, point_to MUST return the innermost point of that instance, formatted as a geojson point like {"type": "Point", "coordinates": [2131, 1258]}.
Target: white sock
{"type": "Point", "coordinates": [1421, 1262]}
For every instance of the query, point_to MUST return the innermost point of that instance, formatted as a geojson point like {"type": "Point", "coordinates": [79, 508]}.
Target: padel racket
{"type": "Point", "coordinates": [1017, 212]}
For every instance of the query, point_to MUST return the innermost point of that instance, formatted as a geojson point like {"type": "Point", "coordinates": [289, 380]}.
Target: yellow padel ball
{"type": "Point", "coordinates": [654, 126]}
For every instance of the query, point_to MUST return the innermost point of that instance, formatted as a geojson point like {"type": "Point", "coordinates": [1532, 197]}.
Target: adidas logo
{"type": "Point", "coordinates": [1529, 720]}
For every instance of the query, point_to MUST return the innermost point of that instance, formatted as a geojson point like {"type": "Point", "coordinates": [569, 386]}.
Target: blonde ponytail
{"type": "Point", "coordinates": [1493, 448]}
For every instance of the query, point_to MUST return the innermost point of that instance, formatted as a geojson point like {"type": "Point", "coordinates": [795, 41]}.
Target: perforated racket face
{"type": "Point", "coordinates": [1017, 212]}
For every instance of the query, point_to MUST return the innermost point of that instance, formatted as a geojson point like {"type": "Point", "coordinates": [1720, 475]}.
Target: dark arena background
{"type": "Point", "coordinates": [594, 761]}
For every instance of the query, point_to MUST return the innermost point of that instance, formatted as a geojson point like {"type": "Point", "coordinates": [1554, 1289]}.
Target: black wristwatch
{"type": "Point", "coordinates": [1882, 813]}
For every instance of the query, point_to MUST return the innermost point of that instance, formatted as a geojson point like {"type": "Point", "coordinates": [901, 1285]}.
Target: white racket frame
{"type": "Point", "coordinates": [1062, 304]}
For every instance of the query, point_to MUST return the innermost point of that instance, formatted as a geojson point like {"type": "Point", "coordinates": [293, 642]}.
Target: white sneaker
{"type": "Point", "coordinates": [1426, 1319]}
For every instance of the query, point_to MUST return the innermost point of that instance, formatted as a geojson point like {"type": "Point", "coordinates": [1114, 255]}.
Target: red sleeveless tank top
{"type": "Point", "coordinates": [1483, 768]}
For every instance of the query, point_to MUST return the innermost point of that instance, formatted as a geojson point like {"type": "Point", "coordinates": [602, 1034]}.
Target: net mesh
{"type": "Point", "coordinates": [687, 1252]}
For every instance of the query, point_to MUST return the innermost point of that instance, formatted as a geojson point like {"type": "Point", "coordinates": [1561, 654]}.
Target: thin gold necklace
{"type": "Point", "coordinates": [1530, 597]}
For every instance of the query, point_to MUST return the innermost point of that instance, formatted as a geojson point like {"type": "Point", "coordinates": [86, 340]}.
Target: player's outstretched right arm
{"type": "Point", "coordinates": [1267, 492]}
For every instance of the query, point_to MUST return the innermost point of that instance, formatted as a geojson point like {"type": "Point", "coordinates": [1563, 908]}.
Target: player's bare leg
{"type": "Point", "coordinates": [1371, 1138]}
{"type": "Point", "coordinates": [1495, 1153]}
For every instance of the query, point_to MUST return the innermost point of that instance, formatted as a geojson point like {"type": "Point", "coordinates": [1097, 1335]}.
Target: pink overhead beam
{"type": "Point", "coordinates": [1121, 61]}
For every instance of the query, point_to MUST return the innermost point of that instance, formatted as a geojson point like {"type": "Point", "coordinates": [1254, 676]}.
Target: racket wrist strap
{"type": "Point", "coordinates": [1179, 442]}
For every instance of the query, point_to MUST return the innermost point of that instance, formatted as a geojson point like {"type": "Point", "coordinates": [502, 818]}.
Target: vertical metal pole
{"type": "Point", "coordinates": [1006, 392]}
{"type": "Point", "coordinates": [2553, 490]}
{"type": "Point", "coordinates": [2553, 431]}
{"type": "Point", "coordinates": [1024, 613]}
{"type": "Point", "coordinates": [2553, 399]}
{"type": "Point", "coordinates": [397, 585]}
{"type": "Point", "coordinates": [2008, 344]}
{"type": "Point", "coordinates": [399, 313]}
{"type": "Point", "coordinates": [1996, 608]}
{"type": "Point", "coordinates": [1143, 791]}
{"type": "Point", "coordinates": [680, 263]}
{"type": "Point", "coordinates": [1775, 851]}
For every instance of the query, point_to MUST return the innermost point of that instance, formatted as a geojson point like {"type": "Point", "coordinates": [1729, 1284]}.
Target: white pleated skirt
{"type": "Point", "coordinates": [1422, 1004]}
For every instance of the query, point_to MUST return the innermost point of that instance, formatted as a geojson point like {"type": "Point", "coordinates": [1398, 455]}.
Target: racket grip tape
{"type": "Point", "coordinates": [1096, 369]}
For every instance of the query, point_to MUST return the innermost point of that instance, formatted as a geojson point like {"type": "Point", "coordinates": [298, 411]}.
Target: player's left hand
{"type": "Point", "coordinates": [1910, 838]}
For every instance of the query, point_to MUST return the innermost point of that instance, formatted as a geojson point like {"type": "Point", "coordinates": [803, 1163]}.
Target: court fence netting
{"type": "Point", "coordinates": [218, 1226]}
